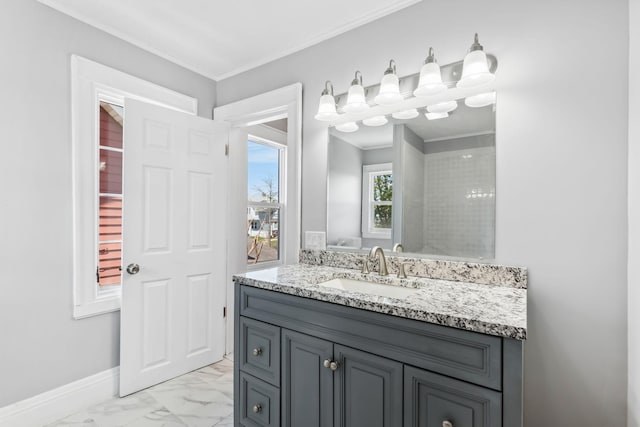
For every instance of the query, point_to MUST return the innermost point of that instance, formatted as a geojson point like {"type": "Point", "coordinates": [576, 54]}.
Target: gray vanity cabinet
{"type": "Point", "coordinates": [307, 363]}
{"type": "Point", "coordinates": [368, 389]}
{"type": "Point", "coordinates": [436, 401]}
{"type": "Point", "coordinates": [326, 385]}
{"type": "Point", "coordinates": [307, 386]}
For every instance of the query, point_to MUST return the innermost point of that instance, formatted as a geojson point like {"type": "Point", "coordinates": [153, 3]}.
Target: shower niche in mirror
{"type": "Point", "coordinates": [428, 185]}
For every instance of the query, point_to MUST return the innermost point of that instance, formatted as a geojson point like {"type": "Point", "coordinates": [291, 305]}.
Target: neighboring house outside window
{"type": "Point", "coordinates": [265, 167]}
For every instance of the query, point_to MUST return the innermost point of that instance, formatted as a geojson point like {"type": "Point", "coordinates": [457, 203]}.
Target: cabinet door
{"type": "Point", "coordinates": [431, 400]}
{"type": "Point", "coordinates": [307, 386]}
{"type": "Point", "coordinates": [368, 390]}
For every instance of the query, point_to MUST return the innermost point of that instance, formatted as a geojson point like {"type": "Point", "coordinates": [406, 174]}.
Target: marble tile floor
{"type": "Point", "coordinates": [202, 398]}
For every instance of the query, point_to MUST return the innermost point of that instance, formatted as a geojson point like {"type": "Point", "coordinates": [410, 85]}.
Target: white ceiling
{"type": "Point", "coordinates": [219, 39]}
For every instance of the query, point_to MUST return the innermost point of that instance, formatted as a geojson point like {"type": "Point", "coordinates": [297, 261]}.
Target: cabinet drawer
{"type": "Point", "coordinates": [259, 403]}
{"type": "Point", "coordinates": [431, 400]}
{"type": "Point", "coordinates": [260, 350]}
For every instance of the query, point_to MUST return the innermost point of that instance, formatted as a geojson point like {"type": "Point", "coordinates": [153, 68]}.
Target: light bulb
{"type": "Point", "coordinates": [327, 106]}
{"type": "Point", "coordinates": [430, 82]}
{"type": "Point", "coordinates": [389, 93]}
{"type": "Point", "coordinates": [475, 69]}
{"type": "Point", "coordinates": [443, 107]}
{"type": "Point", "coordinates": [436, 116]}
{"type": "Point", "coordinates": [406, 114]}
{"type": "Point", "coordinates": [347, 127]}
{"type": "Point", "coordinates": [480, 100]}
{"type": "Point", "coordinates": [356, 100]}
{"type": "Point", "coordinates": [375, 121]}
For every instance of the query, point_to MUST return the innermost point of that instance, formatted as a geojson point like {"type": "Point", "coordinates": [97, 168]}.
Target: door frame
{"type": "Point", "coordinates": [272, 105]}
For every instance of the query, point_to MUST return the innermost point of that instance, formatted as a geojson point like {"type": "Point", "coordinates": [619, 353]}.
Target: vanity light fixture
{"type": "Point", "coordinates": [443, 107]}
{"type": "Point", "coordinates": [327, 107]}
{"type": "Point", "coordinates": [389, 93]}
{"type": "Point", "coordinates": [406, 114]}
{"type": "Point", "coordinates": [430, 82]}
{"type": "Point", "coordinates": [372, 106]}
{"type": "Point", "coordinates": [375, 121]}
{"type": "Point", "coordinates": [436, 116]}
{"type": "Point", "coordinates": [347, 127]}
{"type": "Point", "coordinates": [480, 100]}
{"type": "Point", "coordinates": [475, 69]}
{"type": "Point", "coordinates": [356, 100]}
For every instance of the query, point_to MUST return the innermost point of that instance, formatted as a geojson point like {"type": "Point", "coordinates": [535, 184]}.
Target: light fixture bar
{"type": "Point", "coordinates": [451, 74]}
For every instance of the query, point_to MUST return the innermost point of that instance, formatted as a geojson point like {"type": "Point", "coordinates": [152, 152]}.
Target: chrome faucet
{"type": "Point", "coordinates": [398, 247]}
{"type": "Point", "coordinates": [377, 251]}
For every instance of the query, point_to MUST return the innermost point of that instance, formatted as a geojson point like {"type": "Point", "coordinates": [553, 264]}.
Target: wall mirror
{"type": "Point", "coordinates": [428, 185]}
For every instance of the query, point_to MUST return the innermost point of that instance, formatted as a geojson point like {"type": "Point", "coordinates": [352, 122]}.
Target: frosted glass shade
{"type": "Point", "coordinates": [356, 101]}
{"type": "Point", "coordinates": [475, 70]}
{"type": "Point", "coordinates": [347, 127]}
{"type": "Point", "coordinates": [389, 93]}
{"type": "Point", "coordinates": [327, 109]}
{"type": "Point", "coordinates": [430, 80]}
{"type": "Point", "coordinates": [375, 121]}
{"type": "Point", "coordinates": [443, 107]}
{"type": "Point", "coordinates": [406, 114]}
{"type": "Point", "coordinates": [480, 100]}
{"type": "Point", "coordinates": [436, 116]}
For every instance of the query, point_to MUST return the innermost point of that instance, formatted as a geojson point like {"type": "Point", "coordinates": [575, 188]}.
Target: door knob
{"type": "Point", "coordinates": [257, 351]}
{"type": "Point", "coordinates": [257, 408]}
{"type": "Point", "coordinates": [133, 268]}
{"type": "Point", "coordinates": [447, 423]}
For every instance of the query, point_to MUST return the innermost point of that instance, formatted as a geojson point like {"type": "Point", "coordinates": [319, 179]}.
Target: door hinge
{"type": "Point", "coordinates": [224, 311]}
{"type": "Point", "coordinates": [226, 149]}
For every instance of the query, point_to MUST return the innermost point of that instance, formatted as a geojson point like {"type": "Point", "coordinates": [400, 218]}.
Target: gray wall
{"type": "Point", "coordinates": [42, 346]}
{"type": "Point", "coordinates": [561, 170]}
{"type": "Point", "coordinates": [634, 215]}
{"type": "Point", "coordinates": [345, 189]}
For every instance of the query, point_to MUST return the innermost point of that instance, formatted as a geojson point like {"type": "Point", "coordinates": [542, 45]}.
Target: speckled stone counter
{"type": "Point", "coordinates": [493, 309]}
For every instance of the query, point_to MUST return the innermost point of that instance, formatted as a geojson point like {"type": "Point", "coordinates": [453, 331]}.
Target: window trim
{"type": "Point", "coordinates": [282, 197]}
{"type": "Point", "coordinates": [367, 201]}
{"type": "Point", "coordinates": [91, 83]}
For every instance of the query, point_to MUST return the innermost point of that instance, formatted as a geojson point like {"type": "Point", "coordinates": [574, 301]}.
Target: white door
{"type": "Point", "coordinates": [175, 201]}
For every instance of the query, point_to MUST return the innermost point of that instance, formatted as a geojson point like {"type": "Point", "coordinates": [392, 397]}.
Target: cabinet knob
{"type": "Point", "coordinates": [447, 423]}
{"type": "Point", "coordinates": [257, 408]}
{"type": "Point", "coordinates": [257, 351]}
{"type": "Point", "coordinates": [331, 364]}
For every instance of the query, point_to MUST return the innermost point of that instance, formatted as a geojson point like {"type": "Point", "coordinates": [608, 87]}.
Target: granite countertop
{"type": "Point", "coordinates": [488, 309]}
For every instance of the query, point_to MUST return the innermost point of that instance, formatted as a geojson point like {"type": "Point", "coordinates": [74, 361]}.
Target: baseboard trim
{"type": "Point", "coordinates": [52, 405]}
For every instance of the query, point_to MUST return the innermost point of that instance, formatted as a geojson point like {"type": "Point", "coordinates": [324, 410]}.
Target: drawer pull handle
{"type": "Point", "coordinates": [257, 351]}
{"type": "Point", "coordinates": [331, 364]}
{"type": "Point", "coordinates": [447, 423]}
{"type": "Point", "coordinates": [257, 408]}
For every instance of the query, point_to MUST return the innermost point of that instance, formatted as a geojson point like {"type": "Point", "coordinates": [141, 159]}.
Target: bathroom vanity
{"type": "Point", "coordinates": [312, 348]}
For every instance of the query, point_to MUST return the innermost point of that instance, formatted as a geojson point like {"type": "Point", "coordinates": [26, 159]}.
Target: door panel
{"type": "Point", "coordinates": [307, 386]}
{"type": "Point", "coordinates": [175, 198]}
{"type": "Point", "coordinates": [432, 400]}
{"type": "Point", "coordinates": [368, 390]}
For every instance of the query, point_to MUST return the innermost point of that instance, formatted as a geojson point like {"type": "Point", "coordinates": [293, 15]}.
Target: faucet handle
{"type": "Point", "coordinates": [402, 272]}
{"type": "Point", "coordinates": [365, 266]}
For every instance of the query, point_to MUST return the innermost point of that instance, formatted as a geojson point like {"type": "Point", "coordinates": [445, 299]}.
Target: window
{"type": "Point", "coordinates": [377, 201]}
{"type": "Point", "coordinates": [109, 270]}
{"type": "Point", "coordinates": [97, 98]}
{"type": "Point", "coordinates": [264, 222]}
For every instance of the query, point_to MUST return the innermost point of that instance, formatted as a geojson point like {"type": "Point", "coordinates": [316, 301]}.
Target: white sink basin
{"type": "Point", "coordinates": [390, 291]}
